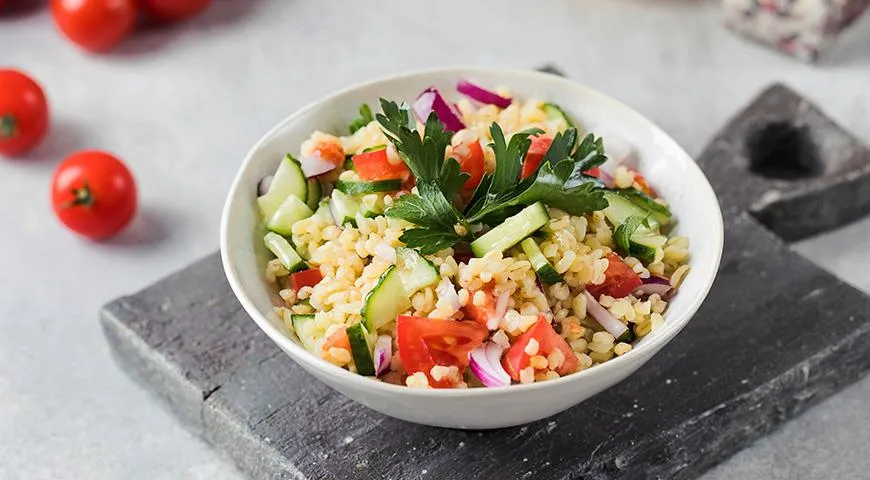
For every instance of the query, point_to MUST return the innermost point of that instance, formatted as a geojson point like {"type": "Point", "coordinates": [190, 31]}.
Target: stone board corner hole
{"type": "Point", "coordinates": [782, 150]}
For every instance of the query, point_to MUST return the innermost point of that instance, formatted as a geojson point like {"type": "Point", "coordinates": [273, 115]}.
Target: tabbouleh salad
{"type": "Point", "coordinates": [478, 244]}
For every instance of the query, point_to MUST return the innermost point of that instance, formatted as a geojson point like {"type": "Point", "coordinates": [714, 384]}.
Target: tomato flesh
{"type": "Point", "coordinates": [516, 358]}
{"type": "Point", "coordinates": [338, 339]}
{"type": "Point", "coordinates": [641, 182]}
{"type": "Point", "coordinates": [305, 278]}
{"type": "Point", "coordinates": [95, 25]}
{"type": "Point", "coordinates": [620, 280]}
{"type": "Point", "coordinates": [471, 161]}
{"type": "Point", "coordinates": [481, 314]}
{"type": "Point", "coordinates": [426, 342]}
{"type": "Point", "coordinates": [537, 151]}
{"type": "Point", "coordinates": [23, 113]}
{"type": "Point", "coordinates": [376, 166]}
{"type": "Point", "coordinates": [94, 194]}
{"type": "Point", "coordinates": [594, 172]}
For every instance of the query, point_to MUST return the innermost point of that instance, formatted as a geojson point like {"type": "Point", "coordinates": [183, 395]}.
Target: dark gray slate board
{"type": "Point", "coordinates": [776, 335]}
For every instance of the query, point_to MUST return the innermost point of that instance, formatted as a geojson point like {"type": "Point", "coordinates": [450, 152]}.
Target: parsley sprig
{"type": "Point", "coordinates": [560, 180]}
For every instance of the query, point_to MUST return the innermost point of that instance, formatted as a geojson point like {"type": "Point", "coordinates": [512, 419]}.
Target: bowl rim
{"type": "Point", "coordinates": [304, 357]}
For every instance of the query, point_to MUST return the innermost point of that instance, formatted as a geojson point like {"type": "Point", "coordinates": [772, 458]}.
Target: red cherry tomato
{"type": "Point", "coordinates": [305, 278]}
{"type": "Point", "coordinates": [426, 342]}
{"type": "Point", "coordinates": [516, 358]}
{"type": "Point", "coordinates": [471, 161]}
{"type": "Point", "coordinates": [376, 165]}
{"type": "Point", "coordinates": [594, 171]}
{"type": "Point", "coordinates": [537, 151]}
{"type": "Point", "coordinates": [174, 10]}
{"type": "Point", "coordinates": [23, 113]}
{"type": "Point", "coordinates": [95, 25]}
{"type": "Point", "coordinates": [93, 194]}
{"type": "Point", "coordinates": [620, 280]}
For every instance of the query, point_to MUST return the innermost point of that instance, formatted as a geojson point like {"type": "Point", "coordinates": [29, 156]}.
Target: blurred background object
{"type": "Point", "coordinates": [801, 28]}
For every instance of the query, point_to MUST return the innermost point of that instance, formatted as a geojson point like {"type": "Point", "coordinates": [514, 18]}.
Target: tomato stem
{"type": "Point", "coordinates": [8, 126]}
{"type": "Point", "coordinates": [83, 197]}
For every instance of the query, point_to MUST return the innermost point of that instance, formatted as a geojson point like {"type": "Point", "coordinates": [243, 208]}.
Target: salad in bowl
{"type": "Point", "coordinates": [469, 237]}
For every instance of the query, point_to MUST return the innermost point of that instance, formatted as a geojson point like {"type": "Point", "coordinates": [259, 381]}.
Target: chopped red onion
{"type": "Point", "coordinates": [313, 166]}
{"type": "Point", "coordinates": [657, 279]}
{"type": "Point", "coordinates": [485, 362]}
{"type": "Point", "coordinates": [651, 288]}
{"type": "Point", "coordinates": [481, 94]}
{"type": "Point", "coordinates": [385, 251]}
{"type": "Point", "coordinates": [603, 317]}
{"type": "Point", "coordinates": [383, 354]}
{"type": "Point", "coordinates": [431, 100]}
{"type": "Point", "coordinates": [264, 184]}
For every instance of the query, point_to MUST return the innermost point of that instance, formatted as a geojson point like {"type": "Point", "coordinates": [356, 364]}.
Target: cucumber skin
{"type": "Point", "coordinates": [298, 262]}
{"type": "Point", "coordinates": [280, 226]}
{"type": "Point", "coordinates": [389, 274]}
{"type": "Point", "coordinates": [269, 203]}
{"type": "Point", "coordinates": [545, 270]}
{"type": "Point", "coordinates": [548, 274]}
{"type": "Point", "coordinates": [315, 193]}
{"type": "Point", "coordinates": [361, 188]}
{"type": "Point", "coordinates": [359, 349]}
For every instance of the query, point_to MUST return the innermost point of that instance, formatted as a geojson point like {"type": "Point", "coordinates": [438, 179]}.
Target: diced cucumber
{"type": "Point", "coordinates": [415, 270]}
{"type": "Point", "coordinates": [554, 111]}
{"type": "Point", "coordinates": [348, 163]}
{"type": "Point", "coordinates": [303, 326]}
{"type": "Point", "coordinates": [282, 249]}
{"type": "Point", "coordinates": [315, 193]}
{"type": "Point", "coordinates": [385, 301]}
{"type": "Point", "coordinates": [656, 210]}
{"type": "Point", "coordinates": [362, 187]}
{"type": "Point", "coordinates": [376, 148]}
{"type": "Point", "coordinates": [290, 212]}
{"type": "Point", "coordinates": [644, 243]}
{"type": "Point", "coordinates": [620, 208]}
{"type": "Point", "coordinates": [545, 270]}
{"type": "Point", "coordinates": [288, 180]}
{"type": "Point", "coordinates": [323, 209]}
{"type": "Point", "coordinates": [361, 349]}
{"type": "Point", "coordinates": [343, 208]}
{"type": "Point", "coordinates": [512, 230]}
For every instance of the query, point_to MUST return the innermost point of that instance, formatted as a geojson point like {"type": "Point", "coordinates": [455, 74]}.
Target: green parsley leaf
{"type": "Point", "coordinates": [508, 156]}
{"type": "Point", "coordinates": [429, 240]}
{"type": "Point", "coordinates": [452, 178]}
{"type": "Point", "coordinates": [560, 149]}
{"type": "Point", "coordinates": [365, 117]}
{"type": "Point", "coordinates": [622, 234]}
{"type": "Point", "coordinates": [589, 154]}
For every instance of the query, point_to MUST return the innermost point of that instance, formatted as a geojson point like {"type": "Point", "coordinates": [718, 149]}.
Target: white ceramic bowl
{"type": "Point", "coordinates": [667, 166]}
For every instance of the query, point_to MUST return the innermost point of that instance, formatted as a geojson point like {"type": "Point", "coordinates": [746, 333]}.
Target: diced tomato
{"type": "Point", "coordinates": [516, 358]}
{"type": "Point", "coordinates": [377, 166]}
{"type": "Point", "coordinates": [338, 339]}
{"type": "Point", "coordinates": [426, 342]}
{"type": "Point", "coordinates": [641, 182]}
{"type": "Point", "coordinates": [481, 314]}
{"type": "Point", "coordinates": [537, 151]}
{"type": "Point", "coordinates": [594, 171]}
{"type": "Point", "coordinates": [331, 151]}
{"type": "Point", "coordinates": [471, 161]}
{"type": "Point", "coordinates": [620, 280]}
{"type": "Point", "coordinates": [305, 278]}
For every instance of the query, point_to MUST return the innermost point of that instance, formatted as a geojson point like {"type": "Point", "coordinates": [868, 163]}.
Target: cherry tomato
{"type": "Point", "coordinates": [305, 278]}
{"type": "Point", "coordinates": [426, 342]}
{"type": "Point", "coordinates": [93, 194]}
{"type": "Point", "coordinates": [594, 171]}
{"type": "Point", "coordinates": [174, 10]}
{"type": "Point", "coordinates": [23, 113]}
{"type": "Point", "coordinates": [376, 165]}
{"type": "Point", "coordinates": [481, 314]}
{"type": "Point", "coordinates": [516, 358]}
{"type": "Point", "coordinates": [95, 25]}
{"type": "Point", "coordinates": [471, 161]}
{"type": "Point", "coordinates": [537, 151]}
{"type": "Point", "coordinates": [338, 339]}
{"type": "Point", "coordinates": [620, 280]}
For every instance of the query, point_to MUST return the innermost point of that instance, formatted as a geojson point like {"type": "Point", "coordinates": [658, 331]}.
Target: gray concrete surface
{"type": "Point", "coordinates": [182, 106]}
